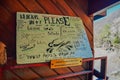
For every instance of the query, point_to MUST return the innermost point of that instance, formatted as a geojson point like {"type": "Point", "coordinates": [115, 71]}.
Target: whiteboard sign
{"type": "Point", "coordinates": [43, 37]}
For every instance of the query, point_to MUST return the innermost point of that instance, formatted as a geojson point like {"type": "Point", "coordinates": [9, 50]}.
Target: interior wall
{"type": "Point", "coordinates": [8, 11]}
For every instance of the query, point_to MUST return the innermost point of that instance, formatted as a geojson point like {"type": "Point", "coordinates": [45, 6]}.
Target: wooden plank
{"type": "Point", "coordinates": [77, 68]}
{"type": "Point", "coordinates": [49, 7]}
{"type": "Point", "coordinates": [62, 70]}
{"type": "Point", "coordinates": [5, 19]}
{"type": "Point", "coordinates": [26, 73]}
{"type": "Point", "coordinates": [10, 76]}
{"type": "Point", "coordinates": [35, 72]}
{"type": "Point", "coordinates": [44, 71]}
{"type": "Point", "coordinates": [10, 23]}
{"type": "Point", "coordinates": [13, 6]}
{"type": "Point", "coordinates": [32, 6]}
{"type": "Point", "coordinates": [67, 75]}
{"type": "Point", "coordinates": [64, 8]}
{"type": "Point", "coordinates": [83, 5]}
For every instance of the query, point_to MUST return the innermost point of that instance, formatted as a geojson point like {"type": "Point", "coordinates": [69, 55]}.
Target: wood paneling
{"type": "Point", "coordinates": [10, 76]}
{"type": "Point", "coordinates": [25, 74]}
{"type": "Point", "coordinates": [64, 8]}
{"type": "Point", "coordinates": [49, 6]}
{"type": "Point", "coordinates": [63, 70]}
{"type": "Point", "coordinates": [5, 19]}
{"type": "Point", "coordinates": [44, 71]}
{"type": "Point", "coordinates": [8, 11]}
{"type": "Point", "coordinates": [32, 6]}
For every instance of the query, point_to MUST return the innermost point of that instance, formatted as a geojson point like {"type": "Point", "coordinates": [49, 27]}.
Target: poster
{"type": "Point", "coordinates": [44, 37]}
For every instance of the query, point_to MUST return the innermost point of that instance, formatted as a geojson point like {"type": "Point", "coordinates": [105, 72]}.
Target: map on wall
{"type": "Point", "coordinates": [44, 37]}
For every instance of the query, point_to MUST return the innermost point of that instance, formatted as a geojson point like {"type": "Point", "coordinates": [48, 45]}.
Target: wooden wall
{"type": "Point", "coordinates": [8, 9]}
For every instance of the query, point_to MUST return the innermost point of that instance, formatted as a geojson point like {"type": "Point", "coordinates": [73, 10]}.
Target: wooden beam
{"type": "Point", "coordinates": [67, 75]}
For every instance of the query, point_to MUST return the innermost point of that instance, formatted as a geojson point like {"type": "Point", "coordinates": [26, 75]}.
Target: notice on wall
{"type": "Point", "coordinates": [44, 37]}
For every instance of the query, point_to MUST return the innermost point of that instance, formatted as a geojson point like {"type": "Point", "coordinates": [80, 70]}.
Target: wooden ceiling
{"type": "Point", "coordinates": [8, 9]}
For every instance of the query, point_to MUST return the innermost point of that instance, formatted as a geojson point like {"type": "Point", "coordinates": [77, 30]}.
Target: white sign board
{"type": "Point", "coordinates": [43, 37]}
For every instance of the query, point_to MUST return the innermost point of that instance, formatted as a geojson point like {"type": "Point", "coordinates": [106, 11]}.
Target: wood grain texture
{"type": "Point", "coordinates": [32, 6]}
{"type": "Point", "coordinates": [8, 11]}
{"type": "Point", "coordinates": [49, 7]}
{"type": "Point", "coordinates": [63, 7]}
{"type": "Point", "coordinates": [10, 76]}
{"type": "Point", "coordinates": [63, 70]}
{"type": "Point", "coordinates": [26, 74]}
{"type": "Point", "coordinates": [4, 14]}
{"type": "Point", "coordinates": [13, 6]}
{"type": "Point", "coordinates": [44, 71]}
